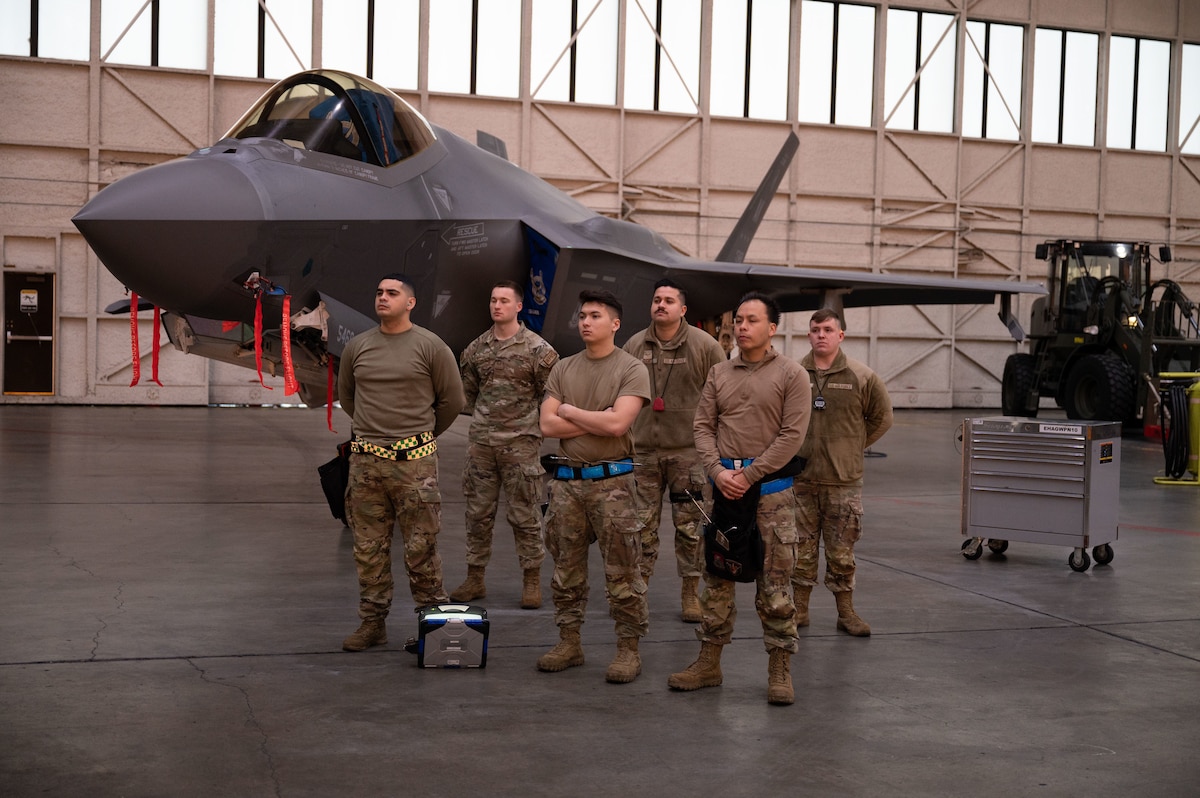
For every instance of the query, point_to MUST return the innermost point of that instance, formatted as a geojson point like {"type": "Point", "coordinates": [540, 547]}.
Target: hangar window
{"type": "Point", "coordinates": [1064, 86]}
{"type": "Point", "coordinates": [1139, 80]}
{"type": "Point", "coordinates": [837, 62]}
{"type": "Point", "coordinates": [662, 55]}
{"type": "Point", "coordinates": [574, 51]}
{"type": "Point", "coordinates": [171, 34]}
{"type": "Point", "coordinates": [337, 114]}
{"type": "Point", "coordinates": [46, 28]}
{"type": "Point", "coordinates": [378, 39]}
{"type": "Point", "coordinates": [919, 73]}
{"type": "Point", "coordinates": [750, 58]}
{"type": "Point", "coordinates": [474, 47]}
{"type": "Point", "coordinates": [262, 38]}
{"type": "Point", "coordinates": [992, 59]}
{"type": "Point", "coordinates": [1189, 103]}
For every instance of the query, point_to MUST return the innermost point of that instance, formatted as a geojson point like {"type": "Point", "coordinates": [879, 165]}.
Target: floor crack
{"type": "Point", "coordinates": [264, 744]}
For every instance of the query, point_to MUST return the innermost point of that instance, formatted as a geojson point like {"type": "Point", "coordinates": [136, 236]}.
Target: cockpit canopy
{"type": "Point", "coordinates": [338, 114]}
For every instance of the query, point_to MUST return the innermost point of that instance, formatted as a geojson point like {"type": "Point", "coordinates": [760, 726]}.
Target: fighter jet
{"type": "Point", "coordinates": [330, 181]}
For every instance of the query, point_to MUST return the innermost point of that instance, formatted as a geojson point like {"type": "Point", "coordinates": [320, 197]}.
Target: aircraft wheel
{"type": "Point", "coordinates": [1103, 554]}
{"type": "Point", "coordinates": [1100, 388]}
{"type": "Point", "coordinates": [1020, 374]}
{"type": "Point", "coordinates": [972, 548]}
{"type": "Point", "coordinates": [1079, 560]}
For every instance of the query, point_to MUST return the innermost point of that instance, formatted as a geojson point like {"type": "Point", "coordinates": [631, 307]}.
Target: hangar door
{"type": "Point", "coordinates": [28, 333]}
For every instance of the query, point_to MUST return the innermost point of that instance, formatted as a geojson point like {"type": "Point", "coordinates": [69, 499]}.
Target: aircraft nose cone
{"type": "Point", "coordinates": [176, 233]}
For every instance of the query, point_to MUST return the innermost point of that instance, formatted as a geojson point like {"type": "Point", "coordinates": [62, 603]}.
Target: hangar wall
{"type": "Point", "coordinates": [863, 198]}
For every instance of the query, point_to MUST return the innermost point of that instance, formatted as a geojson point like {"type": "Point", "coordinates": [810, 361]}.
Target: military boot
{"type": "Point", "coordinates": [627, 664]}
{"type": "Point", "coordinates": [690, 604]}
{"type": "Point", "coordinates": [372, 632]}
{"type": "Point", "coordinates": [472, 588]}
{"type": "Point", "coordinates": [848, 620]}
{"type": "Point", "coordinates": [704, 672]}
{"type": "Point", "coordinates": [802, 594]}
{"type": "Point", "coordinates": [567, 654]}
{"type": "Point", "coordinates": [531, 590]}
{"type": "Point", "coordinates": [779, 678]}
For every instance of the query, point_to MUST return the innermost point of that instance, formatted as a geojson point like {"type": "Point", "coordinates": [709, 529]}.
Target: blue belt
{"type": "Point", "coordinates": [767, 488]}
{"type": "Point", "coordinates": [598, 471]}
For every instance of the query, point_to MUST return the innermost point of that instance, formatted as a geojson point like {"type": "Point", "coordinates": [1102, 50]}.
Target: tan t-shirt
{"type": "Point", "coordinates": [397, 385]}
{"type": "Point", "coordinates": [595, 385]}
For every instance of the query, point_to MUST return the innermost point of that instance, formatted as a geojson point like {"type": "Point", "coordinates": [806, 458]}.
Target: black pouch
{"type": "Point", "coordinates": [733, 547]}
{"type": "Point", "coordinates": [335, 477]}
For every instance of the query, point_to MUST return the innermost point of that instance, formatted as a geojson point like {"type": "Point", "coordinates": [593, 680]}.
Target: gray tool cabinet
{"type": "Point", "coordinates": [1038, 481]}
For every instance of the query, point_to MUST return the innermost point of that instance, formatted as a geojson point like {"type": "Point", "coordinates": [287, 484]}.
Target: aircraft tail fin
{"type": "Point", "coordinates": [492, 144]}
{"type": "Point", "coordinates": [738, 242]}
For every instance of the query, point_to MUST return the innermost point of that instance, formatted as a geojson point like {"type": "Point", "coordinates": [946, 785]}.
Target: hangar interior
{"type": "Point", "coordinates": [939, 137]}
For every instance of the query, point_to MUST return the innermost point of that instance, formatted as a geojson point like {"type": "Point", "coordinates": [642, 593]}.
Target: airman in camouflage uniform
{"type": "Point", "coordinates": [504, 375]}
{"type": "Point", "coordinates": [592, 399]}
{"type": "Point", "coordinates": [678, 357]}
{"type": "Point", "coordinates": [751, 420]}
{"type": "Point", "coordinates": [853, 410]}
{"type": "Point", "coordinates": [399, 383]}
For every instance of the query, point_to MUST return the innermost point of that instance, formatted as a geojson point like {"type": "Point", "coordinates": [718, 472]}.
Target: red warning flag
{"type": "Point", "coordinates": [133, 339]}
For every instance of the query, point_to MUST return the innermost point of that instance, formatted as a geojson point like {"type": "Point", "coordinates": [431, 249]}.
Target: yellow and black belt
{"type": "Point", "coordinates": [413, 447]}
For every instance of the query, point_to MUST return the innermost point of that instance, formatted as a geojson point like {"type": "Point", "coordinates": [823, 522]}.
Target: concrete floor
{"type": "Point", "coordinates": [175, 593]}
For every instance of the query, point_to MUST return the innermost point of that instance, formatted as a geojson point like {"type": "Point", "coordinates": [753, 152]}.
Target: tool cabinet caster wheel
{"type": "Point", "coordinates": [998, 546]}
{"type": "Point", "coordinates": [1103, 554]}
{"type": "Point", "coordinates": [972, 548]}
{"type": "Point", "coordinates": [1079, 560]}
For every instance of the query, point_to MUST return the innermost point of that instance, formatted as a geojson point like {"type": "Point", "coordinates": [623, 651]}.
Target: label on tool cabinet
{"type": "Point", "coordinates": [1060, 429]}
{"type": "Point", "coordinates": [1106, 452]}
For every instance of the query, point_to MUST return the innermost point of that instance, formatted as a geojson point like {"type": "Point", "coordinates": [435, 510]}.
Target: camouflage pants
{"type": "Point", "coordinates": [674, 472]}
{"type": "Point", "coordinates": [517, 470]}
{"type": "Point", "coordinates": [381, 494]}
{"type": "Point", "coordinates": [772, 595]}
{"type": "Point", "coordinates": [831, 514]}
{"type": "Point", "coordinates": [602, 510]}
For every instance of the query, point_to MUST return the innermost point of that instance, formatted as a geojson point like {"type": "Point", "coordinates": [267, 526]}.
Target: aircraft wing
{"type": "Point", "coordinates": [800, 288]}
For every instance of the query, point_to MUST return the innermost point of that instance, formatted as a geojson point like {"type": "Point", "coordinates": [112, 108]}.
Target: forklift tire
{"type": "Point", "coordinates": [1020, 374]}
{"type": "Point", "coordinates": [1100, 388]}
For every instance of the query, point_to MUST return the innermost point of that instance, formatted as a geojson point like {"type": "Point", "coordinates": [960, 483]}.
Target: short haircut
{"type": "Point", "coordinates": [513, 286]}
{"type": "Point", "coordinates": [667, 282]}
{"type": "Point", "coordinates": [771, 305]}
{"type": "Point", "coordinates": [400, 278]}
{"type": "Point", "coordinates": [827, 314]}
{"type": "Point", "coordinates": [602, 297]}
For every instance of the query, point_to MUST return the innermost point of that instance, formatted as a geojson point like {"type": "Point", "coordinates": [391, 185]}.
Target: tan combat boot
{"type": "Point", "coordinates": [371, 632]}
{"type": "Point", "coordinates": [531, 590]}
{"type": "Point", "coordinates": [704, 672]}
{"type": "Point", "coordinates": [567, 654]}
{"type": "Point", "coordinates": [472, 588]}
{"type": "Point", "coordinates": [802, 594]}
{"type": "Point", "coordinates": [627, 664]}
{"type": "Point", "coordinates": [848, 620]}
{"type": "Point", "coordinates": [779, 678]}
{"type": "Point", "coordinates": [689, 602]}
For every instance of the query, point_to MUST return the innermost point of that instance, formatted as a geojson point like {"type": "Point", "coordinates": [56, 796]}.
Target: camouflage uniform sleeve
{"type": "Point", "coordinates": [546, 358]}
{"type": "Point", "coordinates": [469, 372]}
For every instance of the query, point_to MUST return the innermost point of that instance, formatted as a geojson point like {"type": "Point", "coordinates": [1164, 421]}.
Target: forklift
{"type": "Point", "coordinates": [1102, 335]}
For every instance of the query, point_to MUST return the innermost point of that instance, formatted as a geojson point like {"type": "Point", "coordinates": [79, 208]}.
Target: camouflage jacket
{"type": "Point", "coordinates": [504, 382]}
